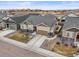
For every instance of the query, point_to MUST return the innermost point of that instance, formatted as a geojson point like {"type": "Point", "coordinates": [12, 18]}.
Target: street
{"type": "Point", "coordinates": [8, 50]}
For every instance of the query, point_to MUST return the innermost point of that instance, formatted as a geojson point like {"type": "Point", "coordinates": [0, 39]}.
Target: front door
{"type": "Point", "coordinates": [7, 25]}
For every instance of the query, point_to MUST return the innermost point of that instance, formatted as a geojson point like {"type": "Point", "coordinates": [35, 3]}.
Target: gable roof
{"type": "Point", "coordinates": [19, 19]}
{"type": "Point", "coordinates": [2, 14]}
{"type": "Point", "coordinates": [48, 20]}
{"type": "Point", "coordinates": [71, 22]}
{"type": "Point", "coordinates": [73, 30]}
{"type": "Point", "coordinates": [72, 14]}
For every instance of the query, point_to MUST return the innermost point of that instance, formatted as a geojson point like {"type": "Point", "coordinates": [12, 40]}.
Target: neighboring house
{"type": "Point", "coordinates": [43, 23]}
{"type": "Point", "coordinates": [71, 29]}
{"type": "Point", "coordinates": [70, 14]}
{"type": "Point", "coordinates": [2, 15]}
{"type": "Point", "coordinates": [14, 22]}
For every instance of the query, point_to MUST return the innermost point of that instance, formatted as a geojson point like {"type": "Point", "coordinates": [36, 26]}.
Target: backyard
{"type": "Point", "coordinates": [19, 37]}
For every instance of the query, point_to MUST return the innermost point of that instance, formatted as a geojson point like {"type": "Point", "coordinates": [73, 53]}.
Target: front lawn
{"type": "Point", "coordinates": [64, 50]}
{"type": "Point", "coordinates": [20, 37]}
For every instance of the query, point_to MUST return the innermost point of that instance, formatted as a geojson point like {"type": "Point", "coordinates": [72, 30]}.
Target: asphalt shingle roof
{"type": "Point", "coordinates": [73, 30]}
{"type": "Point", "coordinates": [71, 22]}
{"type": "Point", "coordinates": [37, 19]}
{"type": "Point", "coordinates": [19, 19]}
{"type": "Point", "coordinates": [2, 14]}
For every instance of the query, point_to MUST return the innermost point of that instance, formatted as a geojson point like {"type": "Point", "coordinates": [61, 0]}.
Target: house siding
{"type": "Point", "coordinates": [69, 34]}
{"type": "Point", "coordinates": [43, 28]}
{"type": "Point", "coordinates": [2, 24]}
{"type": "Point", "coordinates": [23, 26]}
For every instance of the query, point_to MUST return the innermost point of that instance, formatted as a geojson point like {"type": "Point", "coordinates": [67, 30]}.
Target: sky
{"type": "Point", "coordinates": [44, 5]}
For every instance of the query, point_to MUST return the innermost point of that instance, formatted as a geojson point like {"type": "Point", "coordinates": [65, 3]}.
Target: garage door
{"type": "Point", "coordinates": [12, 26]}
{"type": "Point", "coordinates": [77, 38]}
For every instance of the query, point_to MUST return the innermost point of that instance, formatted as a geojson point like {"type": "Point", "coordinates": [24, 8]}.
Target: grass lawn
{"type": "Point", "coordinates": [67, 51]}
{"type": "Point", "coordinates": [20, 37]}
{"type": "Point", "coordinates": [42, 32]}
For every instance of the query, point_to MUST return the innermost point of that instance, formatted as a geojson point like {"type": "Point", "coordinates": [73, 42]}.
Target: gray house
{"type": "Point", "coordinates": [14, 22]}
{"type": "Point", "coordinates": [2, 15]}
{"type": "Point", "coordinates": [43, 23]}
{"type": "Point", "coordinates": [70, 30]}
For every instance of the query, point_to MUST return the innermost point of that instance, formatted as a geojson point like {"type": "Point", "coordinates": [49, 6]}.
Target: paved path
{"type": "Point", "coordinates": [40, 41]}
{"type": "Point", "coordinates": [5, 32]}
{"type": "Point", "coordinates": [9, 50]}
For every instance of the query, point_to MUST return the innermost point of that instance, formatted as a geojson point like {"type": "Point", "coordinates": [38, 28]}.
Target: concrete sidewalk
{"type": "Point", "coordinates": [6, 32]}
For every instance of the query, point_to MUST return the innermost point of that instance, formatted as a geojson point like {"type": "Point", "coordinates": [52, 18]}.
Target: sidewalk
{"type": "Point", "coordinates": [5, 32]}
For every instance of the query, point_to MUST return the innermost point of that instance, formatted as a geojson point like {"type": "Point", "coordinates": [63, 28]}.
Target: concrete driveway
{"type": "Point", "coordinates": [5, 32]}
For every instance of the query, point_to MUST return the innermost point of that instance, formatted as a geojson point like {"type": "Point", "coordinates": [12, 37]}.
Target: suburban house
{"type": "Point", "coordinates": [43, 23]}
{"type": "Point", "coordinates": [2, 15]}
{"type": "Point", "coordinates": [14, 22]}
{"type": "Point", "coordinates": [70, 30]}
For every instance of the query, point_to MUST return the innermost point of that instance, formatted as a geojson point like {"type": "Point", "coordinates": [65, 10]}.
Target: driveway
{"type": "Point", "coordinates": [5, 32]}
